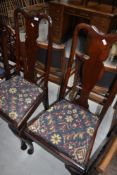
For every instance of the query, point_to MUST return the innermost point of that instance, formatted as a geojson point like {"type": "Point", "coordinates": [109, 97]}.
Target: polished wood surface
{"type": "Point", "coordinates": [65, 14]}
{"type": "Point", "coordinates": [97, 49]}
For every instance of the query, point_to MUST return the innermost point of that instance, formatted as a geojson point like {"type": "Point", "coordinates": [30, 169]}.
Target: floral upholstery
{"type": "Point", "coordinates": [16, 97]}
{"type": "Point", "coordinates": [69, 128]}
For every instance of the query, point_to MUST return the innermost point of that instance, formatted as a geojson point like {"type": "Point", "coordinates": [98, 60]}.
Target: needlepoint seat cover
{"type": "Point", "coordinates": [69, 128]}
{"type": "Point", "coordinates": [17, 95]}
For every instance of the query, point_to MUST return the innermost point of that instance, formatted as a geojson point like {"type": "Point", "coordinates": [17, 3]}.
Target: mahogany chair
{"type": "Point", "coordinates": [68, 129]}
{"type": "Point", "coordinates": [59, 62]}
{"type": "Point", "coordinates": [20, 95]}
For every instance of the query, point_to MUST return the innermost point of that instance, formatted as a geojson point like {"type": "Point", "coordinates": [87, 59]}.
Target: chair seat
{"type": "Point", "coordinates": [69, 128]}
{"type": "Point", "coordinates": [16, 97]}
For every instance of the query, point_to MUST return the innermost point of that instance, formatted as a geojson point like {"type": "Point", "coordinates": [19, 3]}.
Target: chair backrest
{"type": "Point", "coordinates": [58, 60]}
{"type": "Point", "coordinates": [90, 68]}
{"type": "Point", "coordinates": [29, 45]}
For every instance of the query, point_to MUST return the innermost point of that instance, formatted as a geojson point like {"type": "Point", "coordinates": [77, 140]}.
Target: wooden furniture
{"type": "Point", "coordinates": [68, 129]}
{"type": "Point", "coordinates": [66, 14]}
{"type": "Point", "coordinates": [103, 86]}
{"type": "Point", "coordinates": [20, 95]}
{"type": "Point", "coordinates": [59, 62]}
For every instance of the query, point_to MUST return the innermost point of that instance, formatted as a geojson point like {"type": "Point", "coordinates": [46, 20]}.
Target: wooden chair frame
{"type": "Point", "coordinates": [93, 61]}
{"type": "Point", "coordinates": [28, 65]}
{"type": "Point", "coordinates": [56, 74]}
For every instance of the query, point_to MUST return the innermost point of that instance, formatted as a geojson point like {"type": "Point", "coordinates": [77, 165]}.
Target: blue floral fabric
{"type": "Point", "coordinates": [69, 128]}
{"type": "Point", "coordinates": [16, 97]}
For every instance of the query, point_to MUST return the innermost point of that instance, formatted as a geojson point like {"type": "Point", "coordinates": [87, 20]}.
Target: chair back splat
{"type": "Point", "coordinates": [31, 46]}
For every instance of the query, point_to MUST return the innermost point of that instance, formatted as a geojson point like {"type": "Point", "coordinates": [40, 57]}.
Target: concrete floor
{"type": "Point", "coordinates": [13, 161]}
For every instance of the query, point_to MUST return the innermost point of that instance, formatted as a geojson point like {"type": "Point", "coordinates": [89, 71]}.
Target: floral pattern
{"type": "Point", "coordinates": [16, 97]}
{"type": "Point", "coordinates": [69, 128]}
{"type": "Point", "coordinates": [55, 139]}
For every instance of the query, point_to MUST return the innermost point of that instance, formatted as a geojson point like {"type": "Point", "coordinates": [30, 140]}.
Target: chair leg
{"type": "Point", "coordinates": [23, 145]}
{"type": "Point", "coordinates": [27, 143]}
{"type": "Point", "coordinates": [13, 129]}
{"type": "Point", "coordinates": [24, 141]}
{"type": "Point", "coordinates": [15, 132]}
{"type": "Point", "coordinates": [31, 148]}
{"type": "Point", "coordinates": [46, 101]}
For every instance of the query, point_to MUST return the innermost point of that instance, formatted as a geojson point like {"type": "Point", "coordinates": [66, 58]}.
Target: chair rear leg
{"type": "Point", "coordinates": [46, 101]}
{"type": "Point", "coordinates": [15, 132]}
{"type": "Point", "coordinates": [31, 148]}
{"type": "Point", "coordinates": [27, 143]}
{"type": "Point", "coordinates": [23, 145]}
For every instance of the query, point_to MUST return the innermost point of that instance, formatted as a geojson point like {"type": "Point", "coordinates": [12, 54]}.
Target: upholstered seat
{"type": "Point", "coordinates": [69, 128]}
{"type": "Point", "coordinates": [20, 95]}
{"type": "Point", "coordinates": [17, 96]}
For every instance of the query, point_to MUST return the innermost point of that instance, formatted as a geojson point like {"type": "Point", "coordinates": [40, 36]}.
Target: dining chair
{"type": "Point", "coordinates": [20, 95]}
{"type": "Point", "coordinates": [68, 129]}
{"type": "Point", "coordinates": [59, 62]}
